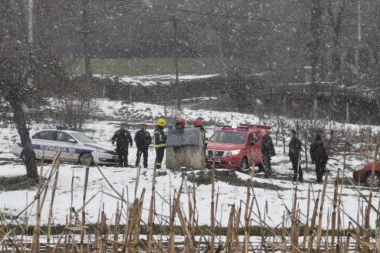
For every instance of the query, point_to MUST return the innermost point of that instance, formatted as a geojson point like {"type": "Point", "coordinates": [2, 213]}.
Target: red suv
{"type": "Point", "coordinates": [363, 173]}
{"type": "Point", "coordinates": [236, 147]}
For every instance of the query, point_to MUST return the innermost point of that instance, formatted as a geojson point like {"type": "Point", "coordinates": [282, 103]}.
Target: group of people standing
{"type": "Point", "coordinates": [318, 156]}
{"type": "Point", "coordinates": [123, 140]}
{"type": "Point", "coordinates": [160, 137]}
{"type": "Point", "coordinates": [143, 139]}
{"type": "Point", "coordinates": [181, 124]}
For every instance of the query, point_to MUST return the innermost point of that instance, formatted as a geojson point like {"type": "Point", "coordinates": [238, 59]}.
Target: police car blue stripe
{"type": "Point", "coordinates": [62, 149]}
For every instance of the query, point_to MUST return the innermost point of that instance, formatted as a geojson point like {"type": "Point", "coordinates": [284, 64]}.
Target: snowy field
{"type": "Point", "coordinates": [273, 203]}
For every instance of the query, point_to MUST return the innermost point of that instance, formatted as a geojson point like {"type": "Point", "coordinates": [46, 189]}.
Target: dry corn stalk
{"type": "Point", "coordinates": [83, 229]}
{"type": "Point", "coordinates": [294, 225]}
{"type": "Point", "coordinates": [42, 192]}
{"type": "Point", "coordinates": [152, 209]}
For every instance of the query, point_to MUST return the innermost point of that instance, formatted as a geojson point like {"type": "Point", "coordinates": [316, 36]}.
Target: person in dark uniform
{"type": "Point", "coordinates": [267, 149]}
{"type": "Point", "coordinates": [123, 140]}
{"type": "Point", "coordinates": [319, 157]}
{"type": "Point", "coordinates": [295, 148]}
{"type": "Point", "coordinates": [159, 142]}
{"type": "Point", "coordinates": [198, 123]}
{"type": "Point", "coordinates": [142, 140]}
{"type": "Point", "coordinates": [180, 124]}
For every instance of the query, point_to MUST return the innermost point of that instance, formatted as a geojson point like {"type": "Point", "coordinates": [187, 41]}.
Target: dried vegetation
{"type": "Point", "coordinates": [247, 230]}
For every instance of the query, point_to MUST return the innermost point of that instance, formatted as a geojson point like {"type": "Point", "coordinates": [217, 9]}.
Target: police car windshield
{"type": "Point", "coordinates": [83, 138]}
{"type": "Point", "coordinates": [229, 137]}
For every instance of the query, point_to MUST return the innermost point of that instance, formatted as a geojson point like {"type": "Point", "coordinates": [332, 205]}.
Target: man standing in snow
{"type": "Point", "coordinates": [142, 140]}
{"type": "Point", "coordinates": [267, 149]}
{"type": "Point", "coordinates": [295, 148]}
{"type": "Point", "coordinates": [319, 157]}
{"type": "Point", "coordinates": [198, 124]}
{"type": "Point", "coordinates": [123, 139]}
{"type": "Point", "coordinates": [159, 142]}
{"type": "Point", "coordinates": [180, 124]}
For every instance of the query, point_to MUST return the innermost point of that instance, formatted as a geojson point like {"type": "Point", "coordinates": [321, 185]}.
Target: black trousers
{"type": "Point", "coordinates": [320, 169]}
{"type": "Point", "coordinates": [159, 157]}
{"type": "Point", "coordinates": [296, 167]}
{"type": "Point", "coordinates": [123, 156]}
{"type": "Point", "coordinates": [267, 165]}
{"type": "Point", "coordinates": [144, 153]}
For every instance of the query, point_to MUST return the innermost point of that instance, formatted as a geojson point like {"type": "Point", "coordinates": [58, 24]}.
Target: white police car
{"type": "Point", "coordinates": [74, 147]}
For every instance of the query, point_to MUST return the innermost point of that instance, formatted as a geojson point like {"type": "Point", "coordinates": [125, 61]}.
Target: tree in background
{"type": "Point", "coordinates": [74, 108]}
{"type": "Point", "coordinates": [336, 18]}
{"type": "Point", "coordinates": [28, 73]}
{"type": "Point", "coordinates": [315, 43]}
{"type": "Point", "coordinates": [15, 73]}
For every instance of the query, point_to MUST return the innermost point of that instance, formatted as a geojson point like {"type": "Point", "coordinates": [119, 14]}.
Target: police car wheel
{"type": "Point", "coordinates": [368, 179]}
{"type": "Point", "coordinates": [22, 155]}
{"type": "Point", "coordinates": [83, 158]}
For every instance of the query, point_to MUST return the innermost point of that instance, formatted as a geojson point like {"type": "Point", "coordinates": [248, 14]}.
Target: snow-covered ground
{"type": "Point", "coordinates": [273, 203]}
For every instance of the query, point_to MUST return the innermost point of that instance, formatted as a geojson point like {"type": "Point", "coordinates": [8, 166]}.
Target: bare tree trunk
{"type": "Point", "coordinates": [315, 29]}
{"type": "Point", "coordinates": [86, 41]}
{"type": "Point", "coordinates": [316, 13]}
{"type": "Point", "coordinates": [336, 24]}
{"type": "Point", "coordinates": [176, 56]}
{"type": "Point", "coordinates": [29, 155]}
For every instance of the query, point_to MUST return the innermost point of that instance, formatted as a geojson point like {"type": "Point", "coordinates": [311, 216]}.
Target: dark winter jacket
{"type": "Point", "coordinates": [295, 148]}
{"type": "Point", "coordinates": [179, 126]}
{"type": "Point", "coordinates": [159, 137]}
{"type": "Point", "coordinates": [318, 152]}
{"type": "Point", "coordinates": [267, 147]}
{"type": "Point", "coordinates": [143, 139]}
{"type": "Point", "coordinates": [123, 138]}
{"type": "Point", "coordinates": [203, 133]}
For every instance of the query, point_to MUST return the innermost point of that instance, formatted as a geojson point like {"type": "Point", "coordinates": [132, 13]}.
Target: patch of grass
{"type": "Point", "coordinates": [268, 186]}
{"type": "Point", "coordinates": [202, 177]}
{"type": "Point", "coordinates": [17, 183]}
{"type": "Point", "coordinates": [228, 176]}
{"type": "Point", "coordinates": [5, 161]}
{"type": "Point", "coordinates": [344, 181]}
{"type": "Point", "coordinates": [150, 66]}
{"type": "Point", "coordinates": [254, 230]}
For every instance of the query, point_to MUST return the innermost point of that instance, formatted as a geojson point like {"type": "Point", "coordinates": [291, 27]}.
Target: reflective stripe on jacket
{"type": "Point", "coordinates": [159, 137]}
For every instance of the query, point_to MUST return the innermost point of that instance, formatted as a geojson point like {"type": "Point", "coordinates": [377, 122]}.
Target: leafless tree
{"type": "Point", "coordinates": [26, 75]}
{"type": "Point", "coordinates": [86, 40]}
{"type": "Point", "coordinates": [75, 108]}
{"type": "Point", "coordinates": [15, 71]}
{"type": "Point", "coordinates": [336, 22]}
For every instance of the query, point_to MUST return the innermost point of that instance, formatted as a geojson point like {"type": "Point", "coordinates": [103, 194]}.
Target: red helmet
{"type": "Point", "coordinates": [181, 121]}
{"type": "Point", "coordinates": [197, 122]}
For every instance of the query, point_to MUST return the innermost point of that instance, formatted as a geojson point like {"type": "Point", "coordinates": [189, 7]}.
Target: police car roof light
{"type": "Point", "coordinates": [256, 125]}
{"type": "Point", "coordinates": [236, 127]}
{"type": "Point", "coordinates": [64, 127]}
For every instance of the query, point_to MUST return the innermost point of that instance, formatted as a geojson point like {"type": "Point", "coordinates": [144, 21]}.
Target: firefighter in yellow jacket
{"type": "Point", "coordinates": [159, 142]}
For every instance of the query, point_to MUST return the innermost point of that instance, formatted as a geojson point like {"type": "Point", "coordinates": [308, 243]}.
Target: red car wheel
{"type": "Point", "coordinates": [368, 179]}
